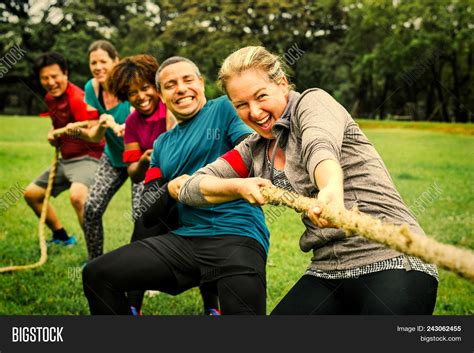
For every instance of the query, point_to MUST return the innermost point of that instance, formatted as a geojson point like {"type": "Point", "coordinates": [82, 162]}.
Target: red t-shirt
{"type": "Point", "coordinates": [69, 108]}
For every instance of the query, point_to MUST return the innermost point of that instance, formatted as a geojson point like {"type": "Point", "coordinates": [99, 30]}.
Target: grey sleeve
{"type": "Point", "coordinates": [224, 167]}
{"type": "Point", "coordinates": [322, 122]}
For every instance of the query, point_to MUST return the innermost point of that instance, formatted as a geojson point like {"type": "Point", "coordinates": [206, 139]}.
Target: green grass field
{"type": "Point", "coordinates": [433, 171]}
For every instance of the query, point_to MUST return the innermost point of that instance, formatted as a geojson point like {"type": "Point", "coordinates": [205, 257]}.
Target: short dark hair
{"type": "Point", "coordinates": [106, 46]}
{"type": "Point", "coordinates": [171, 61]}
{"type": "Point", "coordinates": [47, 59]}
{"type": "Point", "coordinates": [131, 70]}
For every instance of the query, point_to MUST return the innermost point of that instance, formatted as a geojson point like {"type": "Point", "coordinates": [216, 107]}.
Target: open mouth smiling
{"type": "Point", "coordinates": [184, 100]}
{"type": "Point", "coordinates": [263, 121]}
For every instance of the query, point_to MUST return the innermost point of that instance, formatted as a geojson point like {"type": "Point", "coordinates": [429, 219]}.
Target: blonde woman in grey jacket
{"type": "Point", "coordinates": [308, 143]}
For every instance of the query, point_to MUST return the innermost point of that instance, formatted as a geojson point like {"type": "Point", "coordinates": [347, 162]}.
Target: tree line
{"type": "Point", "coordinates": [381, 59]}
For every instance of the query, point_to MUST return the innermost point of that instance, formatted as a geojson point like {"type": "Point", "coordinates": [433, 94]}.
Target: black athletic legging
{"type": "Point", "coordinates": [136, 267]}
{"type": "Point", "coordinates": [389, 292]}
{"type": "Point", "coordinates": [164, 218]}
{"type": "Point", "coordinates": [135, 298]}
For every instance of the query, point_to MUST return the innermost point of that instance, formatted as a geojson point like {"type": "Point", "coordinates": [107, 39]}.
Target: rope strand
{"type": "Point", "coordinates": [44, 212]}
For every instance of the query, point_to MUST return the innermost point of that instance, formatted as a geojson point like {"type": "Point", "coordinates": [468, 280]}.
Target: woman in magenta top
{"type": "Point", "coordinates": [140, 132]}
{"type": "Point", "coordinates": [132, 79]}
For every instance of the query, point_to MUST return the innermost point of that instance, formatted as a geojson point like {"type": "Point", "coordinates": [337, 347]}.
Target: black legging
{"type": "Point", "coordinates": [389, 292]}
{"type": "Point", "coordinates": [136, 267]}
{"type": "Point", "coordinates": [164, 219]}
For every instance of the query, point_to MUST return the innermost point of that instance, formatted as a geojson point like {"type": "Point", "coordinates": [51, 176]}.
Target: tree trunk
{"type": "Point", "coordinates": [439, 91]}
{"type": "Point", "coordinates": [383, 98]}
{"type": "Point", "coordinates": [3, 101]}
{"type": "Point", "coordinates": [459, 112]}
{"type": "Point", "coordinates": [429, 103]}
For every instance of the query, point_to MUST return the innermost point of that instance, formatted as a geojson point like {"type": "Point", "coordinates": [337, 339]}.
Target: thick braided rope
{"type": "Point", "coordinates": [400, 238]}
{"type": "Point", "coordinates": [44, 211]}
{"type": "Point", "coordinates": [80, 124]}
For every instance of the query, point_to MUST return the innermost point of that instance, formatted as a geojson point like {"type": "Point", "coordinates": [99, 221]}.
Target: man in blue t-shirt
{"type": "Point", "coordinates": [223, 247]}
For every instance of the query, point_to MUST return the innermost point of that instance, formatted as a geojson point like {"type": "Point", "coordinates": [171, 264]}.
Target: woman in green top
{"type": "Point", "coordinates": [112, 171]}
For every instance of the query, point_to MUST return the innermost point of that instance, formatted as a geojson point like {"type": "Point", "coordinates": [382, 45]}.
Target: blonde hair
{"type": "Point", "coordinates": [252, 57]}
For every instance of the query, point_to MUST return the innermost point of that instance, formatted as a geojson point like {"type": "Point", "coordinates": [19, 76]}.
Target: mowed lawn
{"type": "Point", "coordinates": [433, 171]}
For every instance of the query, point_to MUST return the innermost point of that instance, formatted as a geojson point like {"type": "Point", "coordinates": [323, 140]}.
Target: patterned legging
{"type": "Point", "coordinates": [107, 182]}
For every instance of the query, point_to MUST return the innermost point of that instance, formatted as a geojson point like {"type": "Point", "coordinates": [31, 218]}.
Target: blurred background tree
{"type": "Point", "coordinates": [381, 59]}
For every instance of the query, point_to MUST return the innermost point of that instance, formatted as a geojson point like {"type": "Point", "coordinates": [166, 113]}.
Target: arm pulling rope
{"type": "Point", "coordinates": [354, 222]}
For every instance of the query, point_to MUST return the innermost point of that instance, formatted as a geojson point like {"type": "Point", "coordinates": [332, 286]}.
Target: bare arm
{"type": "Point", "coordinates": [94, 132]}
{"type": "Point", "coordinates": [137, 170]}
{"type": "Point", "coordinates": [51, 138]}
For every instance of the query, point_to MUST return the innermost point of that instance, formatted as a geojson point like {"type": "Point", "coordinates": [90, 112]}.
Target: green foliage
{"type": "Point", "coordinates": [379, 58]}
{"type": "Point", "coordinates": [416, 159]}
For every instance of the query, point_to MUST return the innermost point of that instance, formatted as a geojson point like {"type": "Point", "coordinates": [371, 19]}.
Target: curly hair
{"type": "Point", "coordinates": [131, 70]}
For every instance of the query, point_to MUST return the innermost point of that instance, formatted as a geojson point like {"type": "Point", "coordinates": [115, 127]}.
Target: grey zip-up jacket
{"type": "Point", "coordinates": [315, 127]}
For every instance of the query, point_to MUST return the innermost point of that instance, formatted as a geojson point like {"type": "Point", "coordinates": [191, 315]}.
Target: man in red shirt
{"type": "Point", "coordinates": [79, 159]}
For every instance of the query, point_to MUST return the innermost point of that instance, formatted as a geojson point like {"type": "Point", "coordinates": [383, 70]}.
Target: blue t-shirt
{"type": "Point", "coordinates": [114, 147]}
{"type": "Point", "coordinates": [192, 145]}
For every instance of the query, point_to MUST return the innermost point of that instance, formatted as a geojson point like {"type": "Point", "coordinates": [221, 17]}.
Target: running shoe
{"type": "Point", "coordinates": [134, 311]}
{"type": "Point", "coordinates": [212, 312]}
{"type": "Point", "coordinates": [69, 242]}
